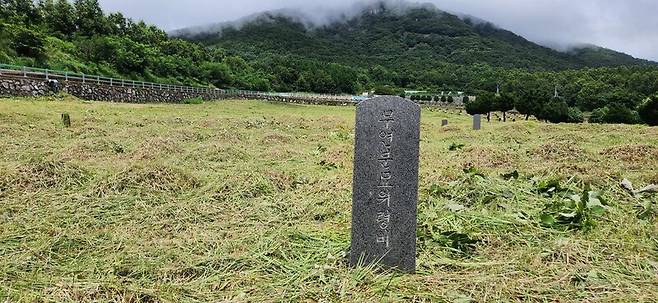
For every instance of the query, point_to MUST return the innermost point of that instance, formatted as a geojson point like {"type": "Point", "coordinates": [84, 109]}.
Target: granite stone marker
{"type": "Point", "coordinates": [385, 185]}
{"type": "Point", "coordinates": [66, 120]}
{"type": "Point", "coordinates": [444, 122]}
{"type": "Point", "coordinates": [477, 122]}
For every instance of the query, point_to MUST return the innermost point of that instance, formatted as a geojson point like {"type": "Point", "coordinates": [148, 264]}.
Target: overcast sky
{"type": "Point", "coordinates": [630, 26]}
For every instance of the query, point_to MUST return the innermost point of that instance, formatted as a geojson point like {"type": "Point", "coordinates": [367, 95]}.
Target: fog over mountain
{"type": "Point", "coordinates": [628, 26]}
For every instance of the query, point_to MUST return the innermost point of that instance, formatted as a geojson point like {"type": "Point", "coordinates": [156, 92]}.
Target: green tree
{"type": "Point", "coordinates": [46, 9]}
{"type": "Point", "coordinates": [147, 34]}
{"type": "Point", "coordinates": [648, 111]}
{"type": "Point", "coordinates": [480, 105]}
{"type": "Point", "coordinates": [528, 104]}
{"type": "Point", "coordinates": [486, 103]}
{"type": "Point", "coordinates": [555, 111]}
{"type": "Point", "coordinates": [118, 24]}
{"type": "Point", "coordinates": [575, 115]}
{"type": "Point", "coordinates": [615, 114]}
{"type": "Point", "coordinates": [21, 12]}
{"type": "Point", "coordinates": [623, 98]}
{"type": "Point", "coordinates": [28, 43]}
{"type": "Point", "coordinates": [387, 90]}
{"type": "Point", "coordinates": [504, 102]}
{"type": "Point", "coordinates": [90, 19]}
{"type": "Point", "coordinates": [592, 93]}
{"type": "Point", "coordinates": [63, 18]}
{"type": "Point", "coordinates": [598, 115]}
{"type": "Point", "coordinates": [4, 10]}
{"type": "Point", "coordinates": [100, 49]}
{"type": "Point", "coordinates": [133, 57]}
{"type": "Point", "coordinates": [218, 73]}
{"type": "Point", "coordinates": [618, 113]}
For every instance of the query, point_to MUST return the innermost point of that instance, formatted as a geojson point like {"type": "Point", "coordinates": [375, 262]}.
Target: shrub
{"type": "Point", "coordinates": [480, 105]}
{"type": "Point", "coordinates": [28, 43]}
{"type": "Point", "coordinates": [385, 90]}
{"type": "Point", "coordinates": [556, 111]}
{"type": "Point", "coordinates": [465, 99]}
{"type": "Point", "coordinates": [648, 111]}
{"type": "Point", "coordinates": [598, 115]}
{"type": "Point", "coordinates": [197, 100]}
{"type": "Point", "coordinates": [575, 115]}
{"type": "Point", "coordinates": [451, 99]}
{"type": "Point", "coordinates": [615, 114]}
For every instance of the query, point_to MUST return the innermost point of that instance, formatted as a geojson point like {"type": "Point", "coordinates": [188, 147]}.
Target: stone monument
{"type": "Point", "coordinates": [385, 184]}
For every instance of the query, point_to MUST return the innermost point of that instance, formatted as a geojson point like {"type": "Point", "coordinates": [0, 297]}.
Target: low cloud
{"type": "Point", "coordinates": [628, 26]}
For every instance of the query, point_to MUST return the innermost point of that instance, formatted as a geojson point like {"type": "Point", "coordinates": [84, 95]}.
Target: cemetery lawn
{"type": "Point", "coordinates": [248, 201]}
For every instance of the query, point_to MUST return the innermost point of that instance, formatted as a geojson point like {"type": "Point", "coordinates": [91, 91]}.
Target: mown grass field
{"type": "Point", "coordinates": [246, 201]}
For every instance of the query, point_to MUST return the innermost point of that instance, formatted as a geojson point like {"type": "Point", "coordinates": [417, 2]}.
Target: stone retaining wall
{"type": "Point", "coordinates": [24, 87]}
{"type": "Point", "coordinates": [13, 86]}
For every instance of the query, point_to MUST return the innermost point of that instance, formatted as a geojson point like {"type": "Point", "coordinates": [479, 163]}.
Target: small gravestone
{"type": "Point", "coordinates": [477, 122]}
{"type": "Point", "coordinates": [444, 122]}
{"type": "Point", "coordinates": [385, 185]}
{"type": "Point", "coordinates": [66, 120]}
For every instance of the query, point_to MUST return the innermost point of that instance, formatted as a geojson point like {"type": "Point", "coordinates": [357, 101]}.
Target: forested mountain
{"type": "Point", "coordinates": [595, 56]}
{"type": "Point", "coordinates": [389, 48]}
{"type": "Point", "coordinates": [409, 38]}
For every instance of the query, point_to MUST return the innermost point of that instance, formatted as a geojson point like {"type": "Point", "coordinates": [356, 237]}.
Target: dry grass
{"type": "Point", "coordinates": [250, 202]}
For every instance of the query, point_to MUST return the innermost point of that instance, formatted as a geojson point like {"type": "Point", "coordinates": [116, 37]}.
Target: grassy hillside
{"type": "Point", "coordinates": [246, 201]}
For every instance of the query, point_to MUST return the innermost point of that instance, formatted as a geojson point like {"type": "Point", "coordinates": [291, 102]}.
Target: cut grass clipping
{"type": "Point", "coordinates": [246, 201]}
